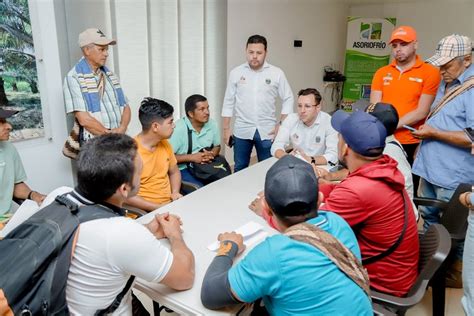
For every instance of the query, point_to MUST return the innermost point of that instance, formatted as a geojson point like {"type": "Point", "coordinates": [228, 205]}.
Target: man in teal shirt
{"type": "Point", "coordinates": [292, 274]}
{"type": "Point", "coordinates": [205, 135]}
{"type": "Point", "coordinates": [12, 173]}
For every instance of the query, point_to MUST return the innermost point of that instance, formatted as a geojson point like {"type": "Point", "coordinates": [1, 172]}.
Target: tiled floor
{"type": "Point", "coordinates": [453, 304]}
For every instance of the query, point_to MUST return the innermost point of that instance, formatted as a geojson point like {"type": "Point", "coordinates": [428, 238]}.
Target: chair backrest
{"type": "Point", "coordinates": [435, 245]}
{"type": "Point", "coordinates": [454, 217]}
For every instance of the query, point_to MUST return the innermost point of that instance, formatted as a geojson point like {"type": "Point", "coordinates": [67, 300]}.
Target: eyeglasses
{"type": "Point", "coordinates": [307, 105]}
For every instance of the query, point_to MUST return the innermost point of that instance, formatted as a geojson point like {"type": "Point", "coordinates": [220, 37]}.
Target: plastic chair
{"type": "Point", "coordinates": [188, 187]}
{"type": "Point", "coordinates": [454, 219]}
{"type": "Point", "coordinates": [454, 214]}
{"type": "Point", "coordinates": [435, 245]}
{"type": "Point", "coordinates": [381, 311]}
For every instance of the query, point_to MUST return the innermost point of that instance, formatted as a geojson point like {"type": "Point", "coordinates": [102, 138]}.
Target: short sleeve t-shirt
{"type": "Point", "coordinates": [295, 278]}
{"type": "Point", "coordinates": [207, 137]}
{"type": "Point", "coordinates": [108, 251]}
{"type": "Point", "coordinates": [11, 173]}
{"type": "Point", "coordinates": [154, 181]}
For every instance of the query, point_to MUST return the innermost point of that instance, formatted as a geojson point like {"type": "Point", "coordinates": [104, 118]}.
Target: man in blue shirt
{"type": "Point", "coordinates": [205, 136]}
{"type": "Point", "coordinates": [292, 275]}
{"type": "Point", "coordinates": [444, 159]}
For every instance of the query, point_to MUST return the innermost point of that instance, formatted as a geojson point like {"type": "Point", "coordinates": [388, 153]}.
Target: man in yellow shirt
{"type": "Point", "coordinates": [160, 180]}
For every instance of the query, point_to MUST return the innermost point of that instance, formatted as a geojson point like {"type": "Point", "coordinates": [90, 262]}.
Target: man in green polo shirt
{"type": "Point", "coordinates": [12, 173]}
{"type": "Point", "coordinates": [205, 135]}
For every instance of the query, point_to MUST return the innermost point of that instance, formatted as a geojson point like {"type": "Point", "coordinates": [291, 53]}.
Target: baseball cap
{"type": "Point", "coordinates": [450, 47]}
{"type": "Point", "coordinates": [386, 114]}
{"type": "Point", "coordinates": [403, 33]}
{"type": "Point", "coordinates": [291, 187]}
{"type": "Point", "coordinates": [4, 114]}
{"type": "Point", "coordinates": [364, 133]}
{"type": "Point", "coordinates": [94, 36]}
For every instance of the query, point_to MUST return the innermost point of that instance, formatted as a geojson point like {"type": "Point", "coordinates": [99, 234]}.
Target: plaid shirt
{"type": "Point", "coordinates": [110, 111]}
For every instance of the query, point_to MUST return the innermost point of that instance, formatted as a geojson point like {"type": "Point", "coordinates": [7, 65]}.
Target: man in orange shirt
{"type": "Point", "coordinates": [160, 180]}
{"type": "Point", "coordinates": [409, 84]}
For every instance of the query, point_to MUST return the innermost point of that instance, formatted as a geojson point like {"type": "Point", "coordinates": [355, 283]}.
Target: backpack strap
{"type": "Point", "coordinates": [118, 299]}
{"type": "Point", "coordinates": [399, 240]}
{"type": "Point", "coordinates": [84, 213]}
{"type": "Point", "coordinates": [336, 251]}
{"type": "Point", "coordinates": [396, 143]}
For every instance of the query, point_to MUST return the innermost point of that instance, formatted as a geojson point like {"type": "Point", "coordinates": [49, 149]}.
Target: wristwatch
{"type": "Point", "coordinates": [313, 161]}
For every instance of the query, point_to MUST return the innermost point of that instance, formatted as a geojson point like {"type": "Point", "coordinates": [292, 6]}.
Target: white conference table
{"type": "Point", "coordinates": [218, 207]}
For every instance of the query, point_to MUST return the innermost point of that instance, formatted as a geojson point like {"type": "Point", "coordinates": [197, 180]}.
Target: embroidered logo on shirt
{"type": "Point", "coordinates": [242, 79]}
{"type": "Point", "coordinates": [387, 79]}
{"type": "Point", "coordinates": [268, 81]}
{"type": "Point", "coordinates": [415, 79]}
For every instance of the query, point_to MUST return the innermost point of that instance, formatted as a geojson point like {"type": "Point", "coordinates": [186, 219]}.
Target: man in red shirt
{"type": "Point", "coordinates": [373, 200]}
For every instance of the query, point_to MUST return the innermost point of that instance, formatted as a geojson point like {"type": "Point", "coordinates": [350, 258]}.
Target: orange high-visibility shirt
{"type": "Point", "coordinates": [404, 89]}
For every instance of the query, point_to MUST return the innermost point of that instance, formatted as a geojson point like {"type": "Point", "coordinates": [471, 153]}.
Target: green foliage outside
{"type": "Point", "coordinates": [18, 74]}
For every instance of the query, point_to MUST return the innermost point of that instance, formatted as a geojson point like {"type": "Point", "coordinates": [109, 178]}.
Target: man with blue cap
{"type": "Point", "coordinates": [373, 200]}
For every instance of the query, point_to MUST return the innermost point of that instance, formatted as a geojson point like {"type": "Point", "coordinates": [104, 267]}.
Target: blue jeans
{"type": "Point", "coordinates": [187, 177]}
{"type": "Point", "coordinates": [243, 150]}
{"type": "Point", "coordinates": [430, 214]}
{"type": "Point", "coordinates": [468, 268]}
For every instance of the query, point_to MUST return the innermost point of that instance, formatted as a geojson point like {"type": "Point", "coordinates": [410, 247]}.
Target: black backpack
{"type": "Point", "coordinates": [36, 255]}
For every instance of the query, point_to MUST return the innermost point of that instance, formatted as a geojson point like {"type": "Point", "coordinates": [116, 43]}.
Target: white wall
{"type": "Point", "coordinates": [432, 19]}
{"type": "Point", "coordinates": [320, 24]}
{"type": "Point", "coordinates": [153, 42]}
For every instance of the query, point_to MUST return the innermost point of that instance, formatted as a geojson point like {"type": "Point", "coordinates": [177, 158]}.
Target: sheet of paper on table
{"type": "Point", "coordinates": [252, 232]}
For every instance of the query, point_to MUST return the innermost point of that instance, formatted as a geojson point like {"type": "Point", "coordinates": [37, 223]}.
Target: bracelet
{"type": "Point", "coordinates": [228, 248]}
{"type": "Point", "coordinates": [30, 194]}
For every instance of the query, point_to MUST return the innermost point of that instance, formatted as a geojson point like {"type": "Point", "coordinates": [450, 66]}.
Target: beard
{"type": "Point", "coordinates": [342, 163]}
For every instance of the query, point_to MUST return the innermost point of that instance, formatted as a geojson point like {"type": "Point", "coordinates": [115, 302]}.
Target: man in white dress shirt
{"type": "Point", "coordinates": [308, 132]}
{"type": "Point", "coordinates": [251, 94]}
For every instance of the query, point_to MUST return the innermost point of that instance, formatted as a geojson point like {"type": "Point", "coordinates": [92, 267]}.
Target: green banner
{"type": "Point", "coordinates": [367, 50]}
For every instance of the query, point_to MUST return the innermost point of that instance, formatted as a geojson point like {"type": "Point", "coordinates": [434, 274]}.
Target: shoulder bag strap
{"type": "Point", "coordinates": [468, 84]}
{"type": "Point", "coordinates": [118, 299]}
{"type": "Point", "coordinates": [336, 251]}
{"type": "Point", "coordinates": [399, 240]}
{"type": "Point", "coordinates": [190, 140]}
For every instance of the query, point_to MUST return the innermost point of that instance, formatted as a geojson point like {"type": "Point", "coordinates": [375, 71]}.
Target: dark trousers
{"type": "Point", "coordinates": [243, 149]}
{"type": "Point", "coordinates": [410, 150]}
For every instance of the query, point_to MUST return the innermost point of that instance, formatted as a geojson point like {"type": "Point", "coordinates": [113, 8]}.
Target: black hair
{"type": "Point", "coordinates": [191, 103]}
{"type": "Point", "coordinates": [308, 91]}
{"type": "Point", "coordinates": [257, 39]}
{"type": "Point", "coordinates": [153, 110]}
{"type": "Point", "coordinates": [104, 164]}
